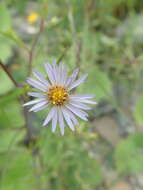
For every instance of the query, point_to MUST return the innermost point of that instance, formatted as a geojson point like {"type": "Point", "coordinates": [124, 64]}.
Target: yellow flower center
{"type": "Point", "coordinates": [57, 95]}
{"type": "Point", "coordinates": [32, 18]}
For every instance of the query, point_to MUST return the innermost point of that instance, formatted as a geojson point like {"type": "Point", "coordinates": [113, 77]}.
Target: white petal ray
{"type": "Point", "coordinates": [80, 105]}
{"type": "Point", "coordinates": [37, 84]}
{"type": "Point", "coordinates": [67, 118]}
{"type": "Point", "coordinates": [34, 101]}
{"type": "Point", "coordinates": [49, 70]}
{"type": "Point", "coordinates": [36, 94]}
{"type": "Point", "coordinates": [85, 101]}
{"type": "Point", "coordinates": [63, 73]}
{"type": "Point", "coordinates": [38, 106]}
{"type": "Point", "coordinates": [77, 112]}
{"type": "Point", "coordinates": [75, 121]}
{"type": "Point", "coordinates": [49, 117]}
{"type": "Point", "coordinates": [41, 78]}
{"type": "Point", "coordinates": [78, 82]}
{"type": "Point", "coordinates": [58, 73]}
{"type": "Point", "coordinates": [61, 121]}
{"type": "Point", "coordinates": [41, 108]}
{"type": "Point", "coordinates": [55, 72]}
{"type": "Point", "coordinates": [54, 121]}
{"type": "Point", "coordinates": [82, 96]}
{"type": "Point", "coordinates": [73, 118]}
{"type": "Point", "coordinates": [72, 78]}
{"type": "Point", "coordinates": [58, 77]}
{"type": "Point", "coordinates": [83, 112]}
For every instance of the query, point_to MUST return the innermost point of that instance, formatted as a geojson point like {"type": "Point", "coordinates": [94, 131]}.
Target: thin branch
{"type": "Point", "coordinates": [76, 41]}
{"type": "Point", "coordinates": [62, 55]}
{"type": "Point", "coordinates": [31, 52]}
{"type": "Point", "coordinates": [78, 51]}
{"type": "Point", "coordinates": [8, 73]}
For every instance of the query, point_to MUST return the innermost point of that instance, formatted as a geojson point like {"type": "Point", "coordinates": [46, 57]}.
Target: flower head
{"type": "Point", "coordinates": [32, 17]}
{"type": "Point", "coordinates": [56, 91]}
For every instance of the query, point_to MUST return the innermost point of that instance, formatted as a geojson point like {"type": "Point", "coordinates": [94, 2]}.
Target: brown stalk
{"type": "Point", "coordinates": [8, 73]}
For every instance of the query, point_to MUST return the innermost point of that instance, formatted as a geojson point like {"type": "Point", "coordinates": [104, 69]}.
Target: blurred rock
{"type": "Point", "coordinates": [122, 185]}
{"type": "Point", "coordinates": [107, 128]}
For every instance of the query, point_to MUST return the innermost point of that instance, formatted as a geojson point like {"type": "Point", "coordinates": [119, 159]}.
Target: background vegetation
{"type": "Point", "coordinates": [102, 38]}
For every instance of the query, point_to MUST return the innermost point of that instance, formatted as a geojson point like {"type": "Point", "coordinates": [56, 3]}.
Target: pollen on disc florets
{"type": "Point", "coordinates": [57, 95]}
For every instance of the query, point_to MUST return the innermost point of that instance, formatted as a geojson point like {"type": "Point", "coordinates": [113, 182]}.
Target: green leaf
{"type": "Point", "coordinates": [129, 154]}
{"type": "Point", "coordinates": [71, 163]}
{"type": "Point", "coordinates": [18, 168]}
{"type": "Point", "coordinates": [9, 140]}
{"type": "Point", "coordinates": [11, 115]}
{"type": "Point", "coordinates": [5, 48]}
{"type": "Point", "coordinates": [5, 21]}
{"type": "Point", "coordinates": [97, 83]}
{"type": "Point", "coordinates": [138, 111]}
{"type": "Point", "coordinates": [18, 172]}
{"type": "Point", "coordinates": [5, 84]}
{"type": "Point", "coordinates": [7, 34]}
{"type": "Point", "coordinates": [13, 95]}
{"type": "Point", "coordinates": [12, 35]}
{"type": "Point", "coordinates": [5, 24]}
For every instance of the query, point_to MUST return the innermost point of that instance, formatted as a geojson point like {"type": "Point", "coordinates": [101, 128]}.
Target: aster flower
{"type": "Point", "coordinates": [56, 92]}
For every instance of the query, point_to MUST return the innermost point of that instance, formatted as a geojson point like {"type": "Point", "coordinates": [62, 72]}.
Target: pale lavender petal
{"type": "Point", "coordinates": [85, 101]}
{"type": "Point", "coordinates": [78, 109]}
{"type": "Point", "coordinates": [63, 74]}
{"type": "Point", "coordinates": [49, 117]}
{"type": "Point", "coordinates": [60, 72]}
{"type": "Point", "coordinates": [38, 106]}
{"type": "Point", "coordinates": [54, 121]}
{"type": "Point", "coordinates": [41, 108]}
{"type": "Point", "coordinates": [50, 73]}
{"type": "Point", "coordinates": [67, 118]}
{"type": "Point", "coordinates": [80, 105]}
{"type": "Point", "coordinates": [82, 96]}
{"type": "Point", "coordinates": [41, 78]}
{"type": "Point", "coordinates": [55, 72]}
{"type": "Point", "coordinates": [37, 84]}
{"type": "Point", "coordinates": [73, 118]}
{"type": "Point", "coordinates": [58, 76]}
{"type": "Point", "coordinates": [34, 101]}
{"type": "Point", "coordinates": [72, 78]}
{"type": "Point", "coordinates": [36, 94]}
{"type": "Point", "coordinates": [77, 112]}
{"type": "Point", "coordinates": [78, 82]}
{"type": "Point", "coordinates": [61, 121]}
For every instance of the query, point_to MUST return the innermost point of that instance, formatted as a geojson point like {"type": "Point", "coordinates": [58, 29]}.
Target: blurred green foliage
{"type": "Point", "coordinates": [128, 154]}
{"type": "Point", "coordinates": [102, 38]}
